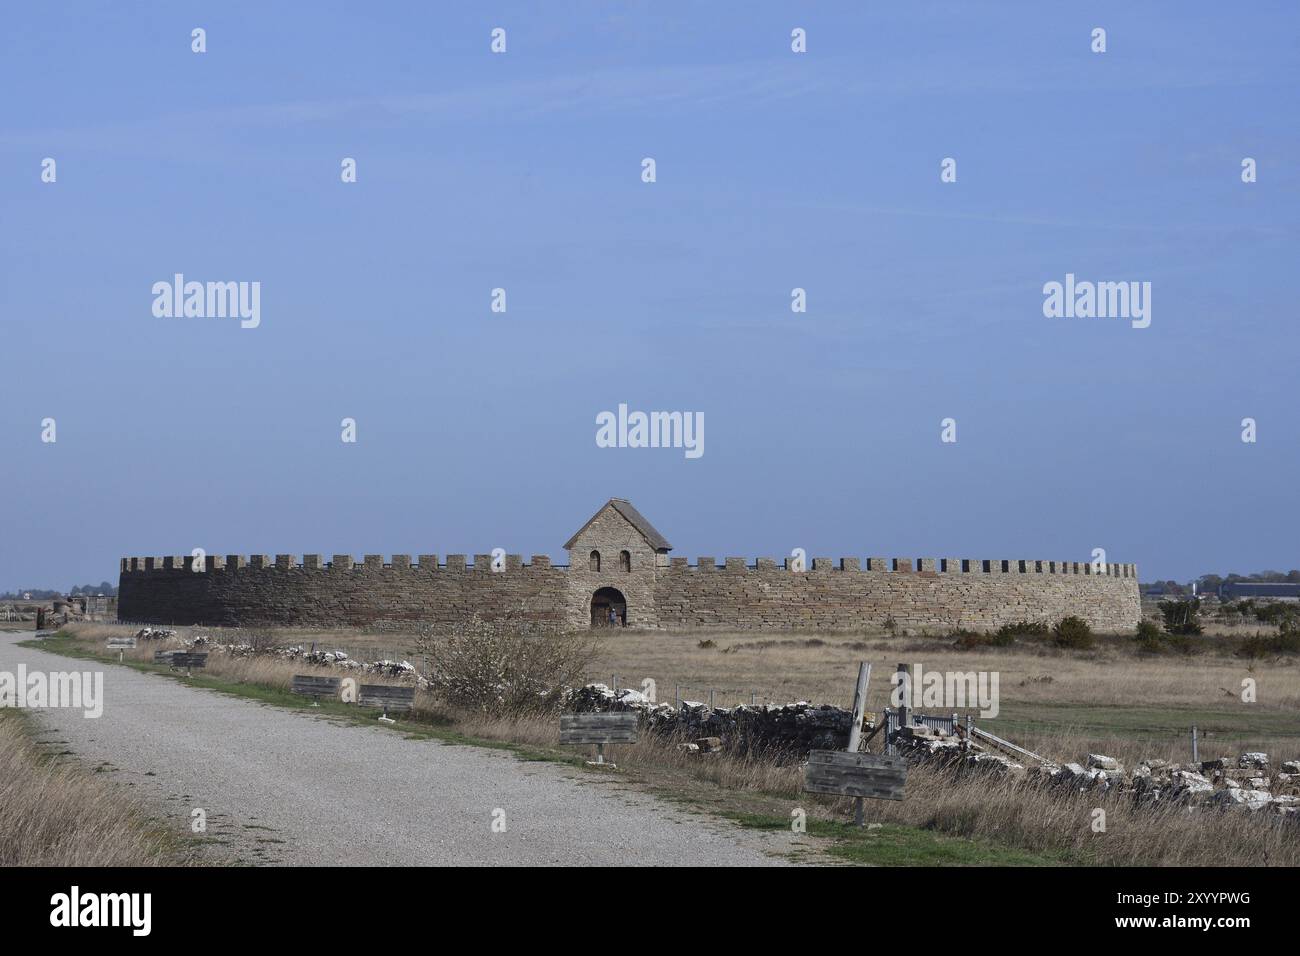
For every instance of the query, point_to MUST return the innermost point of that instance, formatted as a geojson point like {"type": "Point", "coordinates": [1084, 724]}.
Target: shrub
{"type": "Point", "coordinates": [1150, 636]}
{"type": "Point", "coordinates": [1007, 633]}
{"type": "Point", "coordinates": [1180, 616]}
{"type": "Point", "coordinates": [706, 644]}
{"type": "Point", "coordinates": [1153, 640]}
{"type": "Point", "coordinates": [1285, 616]}
{"type": "Point", "coordinates": [1242, 607]}
{"type": "Point", "coordinates": [1283, 642]}
{"type": "Point", "coordinates": [506, 668]}
{"type": "Point", "coordinates": [1005, 636]}
{"type": "Point", "coordinates": [964, 640]}
{"type": "Point", "coordinates": [1072, 632]}
{"type": "Point", "coordinates": [1270, 612]}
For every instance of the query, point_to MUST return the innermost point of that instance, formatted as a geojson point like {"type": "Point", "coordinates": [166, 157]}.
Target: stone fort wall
{"type": "Point", "coordinates": [845, 595]}
{"type": "Point", "coordinates": [927, 594]}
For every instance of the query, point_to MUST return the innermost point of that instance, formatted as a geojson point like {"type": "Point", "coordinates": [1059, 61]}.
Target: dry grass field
{"type": "Point", "coordinates": [1060, 703]}
{"type": "Point", "coordinates": [56, 812]}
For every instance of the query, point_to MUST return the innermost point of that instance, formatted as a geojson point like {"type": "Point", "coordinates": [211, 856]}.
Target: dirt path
{"type": "Point", "coordinates": [282, 787]}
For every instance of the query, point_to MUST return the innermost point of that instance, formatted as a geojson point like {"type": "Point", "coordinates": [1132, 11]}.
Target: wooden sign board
{"type": "Point", "coordinates": [847, 774]}
{"type": "Point", "coordinates": [116, 643]}
{"type": "Point", "coordinates": [180, 659]}
{"type": "Point", "coordinates": [614, 727]}
{"type": "Point", "coordinates": [386, 697]}
{"type": "Point", "coordinates": [308, 685]}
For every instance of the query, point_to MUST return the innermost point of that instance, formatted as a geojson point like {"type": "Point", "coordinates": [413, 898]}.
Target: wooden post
{"type": "Point", "coordinates": [1196, 757]}
{"type": "Point", "coordinates": [855, 730]}
{"type": "Point", "coordinates": [859, 706]}
{"type": "Point", "coordinates": [678, 692]}
{"type": "Point", "coordinates": [904, 682]}
{"type": "Point", "coordinates": [710, 698]}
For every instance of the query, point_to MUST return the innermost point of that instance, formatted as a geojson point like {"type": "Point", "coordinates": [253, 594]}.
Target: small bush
{"type": "Point", "coordinates": [1285, 616]}
{"type": "Point", "coordinates": [706, 644]}
{"type": "Point", "coordinates": [1271, 612]}
{"type": "Point", "coordinates": [1007, 633]}
{"type": "Point", "coordinates": [1005, 636]}
{"type": "Point", "coordinates": [1283, 642]}
{"type": "Point", "coordinates": [964, 640]}
{"type": "Point", "coordinates": [1180, 616]}
{"type": "Point", "coordinates": [506, 668]}
{"type": "Point", "coordinates": [1150, 637]}
{"type": "Point", "coordinates": [1073, 633]}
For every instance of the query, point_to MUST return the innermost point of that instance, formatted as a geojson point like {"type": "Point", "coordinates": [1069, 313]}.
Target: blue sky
{"type": "Point", "coordinates": [522, 171]}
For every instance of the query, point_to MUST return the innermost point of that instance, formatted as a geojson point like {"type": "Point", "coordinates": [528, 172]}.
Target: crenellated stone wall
{"type": "Point", "coordinates": [257, 591]}
{"type": "Point", "coordinates": [842, 596]}
{"type": "Point", "coordinates": [618, 549]}
{"type": "Point", "coordinates": [761, 596]}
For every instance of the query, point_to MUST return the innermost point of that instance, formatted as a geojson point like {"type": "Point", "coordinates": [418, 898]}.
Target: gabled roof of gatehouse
{"type": "Point", "coordinates": [636, 519]}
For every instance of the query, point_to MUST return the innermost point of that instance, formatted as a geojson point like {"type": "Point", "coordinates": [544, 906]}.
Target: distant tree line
{"type": "Point", "coordinates": [103, 587]}
{"type": "Point", "coordinates": [45, 594]}
{"type": "Point", "coordinates": [1210, 582]}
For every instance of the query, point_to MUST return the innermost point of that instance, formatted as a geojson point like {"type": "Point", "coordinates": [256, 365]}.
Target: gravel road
{"type": "Point", "coordinates": [283, 787]}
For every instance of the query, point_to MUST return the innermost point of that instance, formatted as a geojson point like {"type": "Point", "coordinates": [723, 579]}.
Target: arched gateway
{"type": "Point", "coordinates": [603, 602]}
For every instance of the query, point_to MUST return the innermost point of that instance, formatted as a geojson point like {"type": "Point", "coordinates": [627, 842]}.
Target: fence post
{"type": "Point", "coordinates": [905, 682]}
{"type": "Point", "coordinates": [855, 729]}
{"type": "Point", "coordinates": [859, 706]}
{"type": "Point", "coordinates": [1196, 757]}
{"type": "Point", "coordinates": [678, 692]}
{"type": "Point", "coordinates": [710, 698]}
